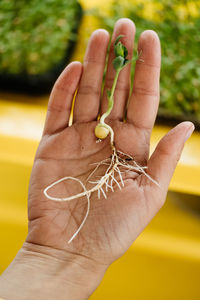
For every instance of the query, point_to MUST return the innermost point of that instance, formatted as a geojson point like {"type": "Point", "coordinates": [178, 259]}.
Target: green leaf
{"type": "Point", "coordinates": [120, 50]}
{"type": "Point", "coordinates": [108, 92]}
{"type": "Point", "coordinates": [118, 38]}
{"type": "Point", "coordinates": [118, 62]}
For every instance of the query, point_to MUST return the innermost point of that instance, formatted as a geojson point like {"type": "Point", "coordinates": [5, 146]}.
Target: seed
{"type": "Point", "coordinates": [101, 132]}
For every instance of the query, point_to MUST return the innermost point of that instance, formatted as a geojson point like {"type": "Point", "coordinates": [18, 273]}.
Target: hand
{"type": "Point", "coordinates": [113, 223]}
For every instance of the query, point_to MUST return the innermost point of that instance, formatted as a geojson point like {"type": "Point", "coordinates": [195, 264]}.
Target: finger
{"type": "Point", "coordinates": [60, 102]}
{"type": "Point", "coordinates": [163, 161]}
{"type": "Point", "coordinates": [127, 28]}
{"type": "Point", "coordinates": [88, 98]}
{"type": "Point", "coordinates": [143, 105]}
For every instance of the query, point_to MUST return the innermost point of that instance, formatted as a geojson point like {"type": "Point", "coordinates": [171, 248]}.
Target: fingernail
{"type": "Point", "coordinates": [189, 133]}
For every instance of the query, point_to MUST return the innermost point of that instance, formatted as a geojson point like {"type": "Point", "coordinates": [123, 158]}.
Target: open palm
{"type": "Point", "coordinates": [113, 223]}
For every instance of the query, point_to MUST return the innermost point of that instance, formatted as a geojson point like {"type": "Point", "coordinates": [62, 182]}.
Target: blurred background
{"type": "Point", "coordinates": [37, 40]}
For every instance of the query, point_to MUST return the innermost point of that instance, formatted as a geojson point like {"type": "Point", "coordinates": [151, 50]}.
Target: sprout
{"type": "Point", "coordinates": [119, 62]}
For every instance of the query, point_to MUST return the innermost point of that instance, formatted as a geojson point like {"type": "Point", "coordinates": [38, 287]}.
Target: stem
{"type": "Point", "coordinates": [110, 99]}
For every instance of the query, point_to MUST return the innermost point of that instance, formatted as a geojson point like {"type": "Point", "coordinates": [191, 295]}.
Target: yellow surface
{"type": "Point", "coordinates": [163, 263]}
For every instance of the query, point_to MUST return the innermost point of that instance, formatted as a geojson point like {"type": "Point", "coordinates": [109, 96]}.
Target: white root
{"type": "Point", "coordinates": [98, 194]}
{"type": "Point", "coordinates": [107, 179]}
{"type": "Point", "coordinates": [120, 176]}
{"type": "Point", "coordinates": [68, 199]}
{"type": "Point", "coordinates": [115, 181]}
{"type": "Point", "coordinates": [101, 189]}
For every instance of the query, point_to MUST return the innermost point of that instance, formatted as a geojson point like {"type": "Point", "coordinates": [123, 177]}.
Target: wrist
{"type": "Point", "coordinates": [46, 273]}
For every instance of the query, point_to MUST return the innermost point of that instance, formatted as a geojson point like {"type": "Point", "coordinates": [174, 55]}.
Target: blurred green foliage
{"type": "Point", "coordinates": [35, 34]}
{"type": "Point", "coordinates": [179, 32]}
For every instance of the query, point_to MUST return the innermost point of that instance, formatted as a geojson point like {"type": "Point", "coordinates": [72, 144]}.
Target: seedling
{"type": "Point", "coordinates": [119, 162]}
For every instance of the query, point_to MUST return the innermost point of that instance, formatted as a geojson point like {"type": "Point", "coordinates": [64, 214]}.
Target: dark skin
{"type": "Point", "coordinates": [114, 223]}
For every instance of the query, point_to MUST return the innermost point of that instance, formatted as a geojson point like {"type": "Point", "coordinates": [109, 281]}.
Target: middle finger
{"type": "Point", "coordinates": [126, 28]}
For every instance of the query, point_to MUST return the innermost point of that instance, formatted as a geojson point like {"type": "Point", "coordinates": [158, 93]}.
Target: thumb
{"type": "Point", "coordinates": [163, 161]}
